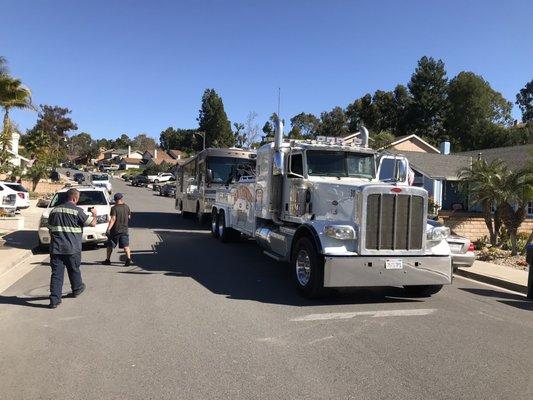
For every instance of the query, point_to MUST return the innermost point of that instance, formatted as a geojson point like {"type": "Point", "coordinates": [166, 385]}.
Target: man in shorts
{"type": "Point", "coordinates": [117, 230]}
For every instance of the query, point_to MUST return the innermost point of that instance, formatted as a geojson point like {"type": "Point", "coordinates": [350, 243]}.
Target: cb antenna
{"type": "Point", "coordinates": [279, 102]}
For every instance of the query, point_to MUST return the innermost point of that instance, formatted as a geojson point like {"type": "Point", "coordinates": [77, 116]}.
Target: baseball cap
{"type": "Point", "coordinates": [118, 196]}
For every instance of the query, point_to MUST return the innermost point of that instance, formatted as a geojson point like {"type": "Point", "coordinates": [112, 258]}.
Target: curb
{"type": "Point", "coordinates": [12, 264]}
{"type": "Point", "coordinates": [515, 287]}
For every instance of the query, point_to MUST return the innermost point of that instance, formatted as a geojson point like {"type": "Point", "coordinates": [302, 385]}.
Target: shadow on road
{"type": "Point", "coordinates": [509, 299]}
{"type": "Point", "coordinates": [24, 239]}
{"type": "Point", "coordinates": [24, 301]}
{"type": "Point", "coordinates": [163, 220]}
{"type": "Point", "coordinates": [240, 271]}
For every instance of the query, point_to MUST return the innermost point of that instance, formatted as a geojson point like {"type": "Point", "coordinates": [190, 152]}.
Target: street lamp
{"type": "Point", "coordinates": [202, 134]}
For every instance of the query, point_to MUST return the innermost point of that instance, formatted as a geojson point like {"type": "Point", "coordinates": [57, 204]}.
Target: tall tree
{"type": "Point", "coordinates": [362, 112]}
{"type": "Point", "coordinates": [524, 99]}
{"type": "Point", "coordinates": [122, 142]}
{"type": "Point", "coordinates": [476, 114]}
{"type": "Point", "coordinates": [143, 142]}
{"type": "Point", "coordinates": [428, 87]}
{"type": "Point", "coordinates": [333, 123]}
{"type": "Point", "coordinates": [214, 122]}
{"type": "Point", "coordinates": [304, 125]}
{"type": "Point", "coordinates": [180, 139]}
{"type": "Point", "coordinates": [240, 135]}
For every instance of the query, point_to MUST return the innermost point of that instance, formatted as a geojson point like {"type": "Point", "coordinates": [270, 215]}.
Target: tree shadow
{"type": "Point", "coordinates": [23, 239]}
{"type": "Point", "coordinates": [506, 298]}
{"type": "Point", "coordinates": [240, 271]}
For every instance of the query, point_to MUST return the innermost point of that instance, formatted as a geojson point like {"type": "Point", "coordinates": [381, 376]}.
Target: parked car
{"type": "Point", "coordinates": [8, 199]}
{"type": "Point", "coordinates": [102, 180]}
{"type": "Point", "coordinates": [79, 177]}
{"type": "Point", "coordinates": [161, 177]}
{"type": "Point", "coordinates": [90, 197]}
{"type": "Point", "coordinates": [461, 248]}
{"type": "Point", "coordinates": [23, 196]}
{"type": "Point", "coordinates": [54, 176]}
{"type": "Point", "coordinates": [156, 187]}
{"type": "Point", "coordinates": [168, 190]}
{"type": "Point", "coordinates": [139, 180]}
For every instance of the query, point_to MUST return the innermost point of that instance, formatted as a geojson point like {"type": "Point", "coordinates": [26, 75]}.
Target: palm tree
{"type": "Point", "coordinates": [517, 191]}
{"type": "Point", "coordinates": [13, 94]}
{"type": "Point", "coordinates": [482, 182]}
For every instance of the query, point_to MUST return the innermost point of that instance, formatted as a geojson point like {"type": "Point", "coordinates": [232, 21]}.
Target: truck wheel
{"type": "Point", "coordinates": [214, 223]}
{"type": "Point", "coordinates": [225, 234]}
{"type": "Point", "coordinates": [422, 290]}
{"type": "Point", "coordinates": [308, 269]}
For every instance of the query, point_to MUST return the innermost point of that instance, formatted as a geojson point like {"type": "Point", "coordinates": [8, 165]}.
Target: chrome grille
{"type": "Point", "coordinates": [394, 222]}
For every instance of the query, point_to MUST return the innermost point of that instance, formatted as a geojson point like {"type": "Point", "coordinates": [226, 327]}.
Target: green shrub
{"type": "Point", "coordinates": [481, 243]}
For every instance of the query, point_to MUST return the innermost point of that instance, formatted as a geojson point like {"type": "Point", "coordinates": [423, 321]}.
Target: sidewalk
{"type": "Point", "coordinates": [497, 275]}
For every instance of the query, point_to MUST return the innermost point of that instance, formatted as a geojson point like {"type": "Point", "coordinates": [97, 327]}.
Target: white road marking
{"type": "Point", "coordinates": [321, 340]}
{"type": "Point", "coordinates": [373, 314]}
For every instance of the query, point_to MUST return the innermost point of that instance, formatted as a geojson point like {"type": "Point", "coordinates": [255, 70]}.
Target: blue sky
{"type": "Point", "coordinates": [141, 66]}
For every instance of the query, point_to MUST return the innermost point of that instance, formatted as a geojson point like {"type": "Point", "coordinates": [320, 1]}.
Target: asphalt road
{"type": "Point", "coordinates": [198, 319]}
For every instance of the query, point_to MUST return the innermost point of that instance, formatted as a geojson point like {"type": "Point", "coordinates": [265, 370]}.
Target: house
{"type": "Point", "coordinates": [158, 156]}
{"type": "Point", "coordinates": [411, 143]}
{"type": "Point", "coordinates": [175, 154]}
{"type": "Point", "coordinates": [130, 163]}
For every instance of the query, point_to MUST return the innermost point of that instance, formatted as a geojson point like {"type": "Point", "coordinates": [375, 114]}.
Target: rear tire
{"type": "Point", "coordinates": [214, 223]}
{"type": "Point", "coordinates": [308, 269]}
{"type": "Point", "coordinates": [225, 234]}
{"type": "Point", "coordinates": [422, 290]}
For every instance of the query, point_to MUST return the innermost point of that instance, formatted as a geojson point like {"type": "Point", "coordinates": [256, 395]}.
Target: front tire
{"type": "Point", "coordinates": [308, 269]}
{"type": "Point", "coordinates": [225, 234]}
{"type": "Point", "coordinates": [422, 290]}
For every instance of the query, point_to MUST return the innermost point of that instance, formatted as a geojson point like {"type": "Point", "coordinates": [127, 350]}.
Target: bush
{"type": "Point", "coordinates": [490, 254]}
{"type": "Point", "coordinates": [481, 243]}
{"type": "Point", "coordinates": [521, 241]}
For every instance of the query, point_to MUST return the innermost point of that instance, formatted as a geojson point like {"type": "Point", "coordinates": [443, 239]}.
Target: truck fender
{"type": "Point", "coordinates": [309, 231]}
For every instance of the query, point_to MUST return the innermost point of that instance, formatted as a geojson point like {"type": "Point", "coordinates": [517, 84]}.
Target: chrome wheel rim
{"type": "Point", "coordinates": [220, 225]}
{"type": "Point", "coordinates": [214, 224]}
{"type": "Point", "coordinates": [303, 268]}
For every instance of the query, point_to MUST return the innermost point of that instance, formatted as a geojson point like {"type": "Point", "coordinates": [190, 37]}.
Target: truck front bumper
{"type": "Point", "coordinates": [350, 271]}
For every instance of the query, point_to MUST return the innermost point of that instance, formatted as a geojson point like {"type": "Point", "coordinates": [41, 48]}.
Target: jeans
{"type": "Point", "coordinates": [58, 262]}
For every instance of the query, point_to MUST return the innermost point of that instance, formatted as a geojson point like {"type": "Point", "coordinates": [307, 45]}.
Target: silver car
{"type": "Point", "coordinates": [461, 248]}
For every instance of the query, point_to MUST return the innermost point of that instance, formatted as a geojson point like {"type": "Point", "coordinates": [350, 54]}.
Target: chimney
{"type": "Point", "coordinates": [444, 147]}
{"type": "Point", "coordinates": [129, 151]}
{"type": "Point", "coordinates": [15, 137]}
{"type": "Point", "coordinates": [155, 153]}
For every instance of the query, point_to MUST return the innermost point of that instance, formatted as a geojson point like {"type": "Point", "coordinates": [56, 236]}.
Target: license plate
{"type": "Point", "coordinates": [455, 248]}
{"type": "Point", "coordinates": [393, 264]}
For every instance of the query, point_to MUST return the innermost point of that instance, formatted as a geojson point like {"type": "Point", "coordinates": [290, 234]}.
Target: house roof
{"type": "Point", "coordinates": [436, 165]}
{"type": "Point", "coordinates": [515, 157]}
{"type": "Point", "coordinates": [413, 137]}
{"type": "Point", "coordinates": [174, 153]}
{"type": "Point", "coordinates": [163, 157]}
{"type": "Point", "coordinates": [135, 161]}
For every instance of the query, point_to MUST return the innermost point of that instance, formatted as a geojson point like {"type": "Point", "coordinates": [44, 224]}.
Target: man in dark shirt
{"type": "Point", "coordinates": [65, 223]}
{"type": "Point", "coordinates": [117, 230]}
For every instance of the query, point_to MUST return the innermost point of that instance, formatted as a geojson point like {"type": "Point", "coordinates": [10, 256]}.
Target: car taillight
{"type": "Point", "coordinates": [21, 195]}
{"type": "Point", "coordinates": [471, 247]}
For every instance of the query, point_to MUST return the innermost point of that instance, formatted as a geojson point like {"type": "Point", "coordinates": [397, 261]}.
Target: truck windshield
{"type": "Point", "coordinates": [340, 164]}
{"type": "Point", "coordinates": [225, 168]}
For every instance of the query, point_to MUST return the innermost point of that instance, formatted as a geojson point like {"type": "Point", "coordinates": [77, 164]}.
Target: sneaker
{"type": "Point", "coordinates": [128, 262]}
{"type": "Point", "coordinates": [79, 291]}
{"type": "Point", "coordinates": [54, 305]}
{"type": "Point", "coordinates": [106, 262]}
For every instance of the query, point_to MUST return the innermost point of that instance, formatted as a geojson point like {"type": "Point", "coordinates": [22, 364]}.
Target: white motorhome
{"type": "Point", "coordinates": [321, 206]}
{"type": "Point", "coordinates": [199, 178]}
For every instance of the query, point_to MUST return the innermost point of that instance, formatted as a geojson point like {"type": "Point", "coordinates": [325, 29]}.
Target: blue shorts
{"type": "Point", "coordinates": [123, 240]}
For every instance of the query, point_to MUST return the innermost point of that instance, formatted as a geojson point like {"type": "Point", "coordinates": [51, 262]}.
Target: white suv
{"type": "Point", "coordinates": [22, 200]}
{"type": "Point", "coordinates": [161, 177]}
{"type": "Point", "coordinates": [90, 197]}
{"type": "Point", "coordinates": [101, 180]}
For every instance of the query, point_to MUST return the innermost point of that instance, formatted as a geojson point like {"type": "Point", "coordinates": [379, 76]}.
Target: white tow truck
{"type": "Point", "coordinates": [320, 206]}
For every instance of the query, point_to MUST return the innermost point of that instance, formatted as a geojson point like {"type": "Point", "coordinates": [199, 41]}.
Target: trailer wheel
{"type": "Point", "coordinates": [214, 223]}
{"type": "Point", "coordinates": [308, 269]}
{"type": "Point", "coordinates": [422, 290]}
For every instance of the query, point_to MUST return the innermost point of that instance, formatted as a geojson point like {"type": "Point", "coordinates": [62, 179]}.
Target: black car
{"type": "Point", "coordinates": [54, 176]}
{"type": "Point", "coordinates": [140, 180]}
{"type": "Point", "coordinates": [79, 177]}
{"type": "Point", "coordinates": [168, 190]}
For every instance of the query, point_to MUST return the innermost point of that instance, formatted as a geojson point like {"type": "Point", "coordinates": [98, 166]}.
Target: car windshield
{"type": "Point", "coordinates": [78, 175]}
{"type": "Point", "coordinates": [224, 168]}
{"type": "Point", "coordinates": [340, 164]}
{"type": "Point", "coordinates": [99, 177]}
{"type": "Point", "coordinates": [16, 187]}
{"type": "Point", "coordinates": [87, 198]}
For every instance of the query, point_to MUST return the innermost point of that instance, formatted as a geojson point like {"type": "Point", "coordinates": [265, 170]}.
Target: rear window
{"type": "Point", "coordinates": [16, 187]}
{"type": "Point", "coordinates": [99, 177]}
{"type": "Point", "coordinates": [87, 198]}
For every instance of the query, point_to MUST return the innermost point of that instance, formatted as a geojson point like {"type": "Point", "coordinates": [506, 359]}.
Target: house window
{"type": "Point", "coordinates": [530, 208]}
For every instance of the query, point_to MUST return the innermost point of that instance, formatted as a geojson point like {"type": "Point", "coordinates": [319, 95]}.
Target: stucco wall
{"type": "Point", "coordinates": [472, 225]}
{"type": "Point", "coordinates": [409, 145]}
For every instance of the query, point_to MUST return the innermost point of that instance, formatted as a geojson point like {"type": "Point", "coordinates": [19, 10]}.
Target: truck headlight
{"type": "Point", "coordinates": [341, 232]}
{"type": "Point", "coordinates": [101, 219]}
{"type": "Point", "coordinates": [438, 233]}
